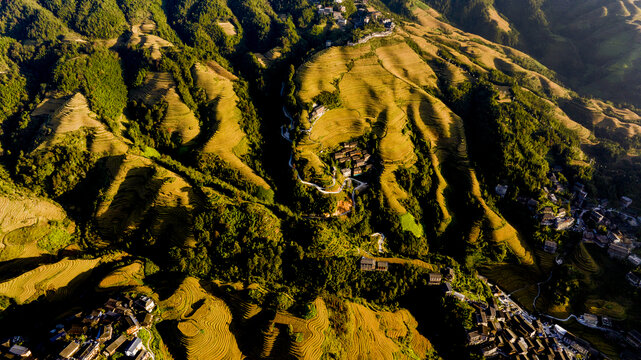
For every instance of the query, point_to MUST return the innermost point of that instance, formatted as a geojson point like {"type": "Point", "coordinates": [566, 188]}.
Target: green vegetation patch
{"type": "Point", "coordinates": [408, 223]}
{"type": "Point", "coordinates": [57, 239]}
{"type": "Point", "coordinates": [99, 76]}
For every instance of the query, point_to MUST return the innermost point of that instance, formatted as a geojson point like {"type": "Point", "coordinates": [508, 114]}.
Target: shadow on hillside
{"type": "Point", "coordinates": [36, 318]}
{"type": "Point", "coordinates": [12, 268]}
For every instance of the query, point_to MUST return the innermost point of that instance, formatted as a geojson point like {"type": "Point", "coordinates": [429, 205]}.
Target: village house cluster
{"type": "Point", "coordinates": [353, 160]}
{"type": "Point", "coordinates": [105, 331]}
{"type": "Point", "coordinates": [503, 329]}
{"type": "Point", "coordinates": [610, 228]}
{"type": "Point", "coordinates": [363, 16]}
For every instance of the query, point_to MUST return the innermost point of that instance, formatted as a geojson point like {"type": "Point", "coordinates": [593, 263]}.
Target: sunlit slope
{"type": "Point", "coordinates": [203, 323]}
{"type": "Point", "coordinates": [227, 141]}
{"type": "Point", "coordinates": [386, 88]}
{"type": "Point", "coordinates": [179, 120]}
{"type": "Point", "coordinates": [140, 190]}
{"type": "Point", "coordinates": [26, 219]}
{"type": "Point", "coordinates": [70, 115]}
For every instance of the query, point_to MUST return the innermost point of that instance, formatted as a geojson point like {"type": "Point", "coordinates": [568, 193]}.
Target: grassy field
{"type": "Point", "coordinates": [227, 135]}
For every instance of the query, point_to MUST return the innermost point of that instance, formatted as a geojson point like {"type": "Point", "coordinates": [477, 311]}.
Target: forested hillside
{"type": "Point", "coordinates": [236, 160]}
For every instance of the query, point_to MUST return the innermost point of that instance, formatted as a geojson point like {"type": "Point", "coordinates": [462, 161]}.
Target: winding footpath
{"type": "Point", "coordinates": [356, 185]}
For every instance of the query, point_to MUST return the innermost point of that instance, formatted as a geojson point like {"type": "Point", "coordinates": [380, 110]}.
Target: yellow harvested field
{"type": "Point", "coordinates": [500, 22]}
{"type": "Point", "coordinates": [502, 231]}
{"type": "Point", "coordinates": [377, 334]}
{"type": "Point", "coordinates": [338, 126]}
{"type": "Point", "coordinates": [46, 279]}
{"type": "Point", "coordinates": [126, 276]}
{"type": "Point", "coordinates": [318, 74]}
{"type": "Point", "coordinates": [72, 115]}
{"type": "Point", "coordinates": [225, 141]}
{"type": "Point", "coordinates": [228, 28]}
{"type": "Point", "coordinates": [179, 119]}
{"type": "Point", "coordinates": [311, 348]}
{"type": "Point", "coordinates": [203, 322]}
{"type": "Point", "coordinates": [138, 186]}
{"type": "Point", "coordinates": [141, 35]}
{"type": "Point", "coordinates": [400, 60]}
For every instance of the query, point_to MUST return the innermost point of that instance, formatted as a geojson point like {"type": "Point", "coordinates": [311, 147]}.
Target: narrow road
{"type": "Point", "coordinates": [148, 341]}
{"type": "Point", "coordinates": [357, 185]}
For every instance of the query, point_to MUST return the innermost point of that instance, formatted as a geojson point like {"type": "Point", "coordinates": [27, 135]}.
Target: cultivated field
{"type": "Point", "coordinates": [138, 188]}
{"type": "Point", "coordinates": [70, 115]}
{"type": "Point", "coordinates": [203, 323]}
{"type": "Point", "coordinates": [46, 279]}
{"type": "Point", "coordinates": [179, 119]}
{"type": "Point", "coordinates": [228, 140]}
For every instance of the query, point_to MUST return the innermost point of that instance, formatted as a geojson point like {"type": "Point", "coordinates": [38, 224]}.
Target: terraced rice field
{"type": "Point", "coordinates": [227, 140]}
{"type": "Point", "coordinates": [203, 322]}
{"type": "Point", "coordinates": [583, 260]}
{"type": "Point", "coordinates": [311, 348]}
{"type": "Point", "coordinates": [46, 278]}
{"type": "Point", "coordinates": [126, 276]}
{"type": "Point", "coordinates": [72, 115]}
{"type": "Point", "coordinates": [375, 335]}
{"type": "Point", "coordinates": [138, 186]}
{"type": "Point", "coordinates": [179, 119]}
{"type": "Point", "coordinates": [142, 35]}
{"type": "Point", "coordinates": [610, 309]}
{"type": "Point", "coordinates": [23, 221]}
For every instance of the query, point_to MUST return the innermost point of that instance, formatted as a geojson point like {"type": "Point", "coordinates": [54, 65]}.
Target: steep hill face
{"type": "Point", "coordinates": [591, 45]}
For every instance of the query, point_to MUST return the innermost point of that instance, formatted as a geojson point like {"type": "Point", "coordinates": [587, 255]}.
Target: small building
{"type": "Point", "coordinates": [69, 350]}
{"type": "Point", "coordinates": [149, 319]}
{"type": "Point", "coordinates": [105, 334]}
{"type": "Point", "coordinates": [357, 171]}
{"type": "Point", "coordinates": [21, 351]}
{"type": "Point", "coordinates": [634, 259]}
{"type": "Point", "coordinates": [501, 190]}
{"type": "Point", "coordinates": [475, 338]}
{"type": "Point", "coordinates": [561, 213]}
{"type": "Point", "coordinates": [596, 216]}
{"type": "Point", "coordinates": [601, 240]}
{"type": "Point", "coordinates": [548, 220]}
{"type": "Point", "coordinates": [435, 278]}
{"type": "Point", "coordinates": [633, 279]}
{"type": "Point", "coordinates": [144, 355]}
{"type": "Point", "coordinates": [489, 350]}
{"type": "Point", "coordinates": [134, 347]}
{"type": "Point", "coordinates": [564, 224]}
{"type": "Point", "coordinates": [618, 251]}
{"type": "Point", "coordinates": [382, 265]}
{"type": "Point", "coordinates": [90, 352]}
{"type": "Point", "coordinates": [590, 320]}
{"type": "Point", "coordinates": [328, 43]}
{"type": "Point", "coordinates": [588, 236]}
{"type": "Point", "coordinates": [550, 247]}
{"type": "Point", "coordinates": [367, 264]}
{"type": "Point", "coordinates": [625, 201]}
{"type": "Point", "coordinates": [111, 348]}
